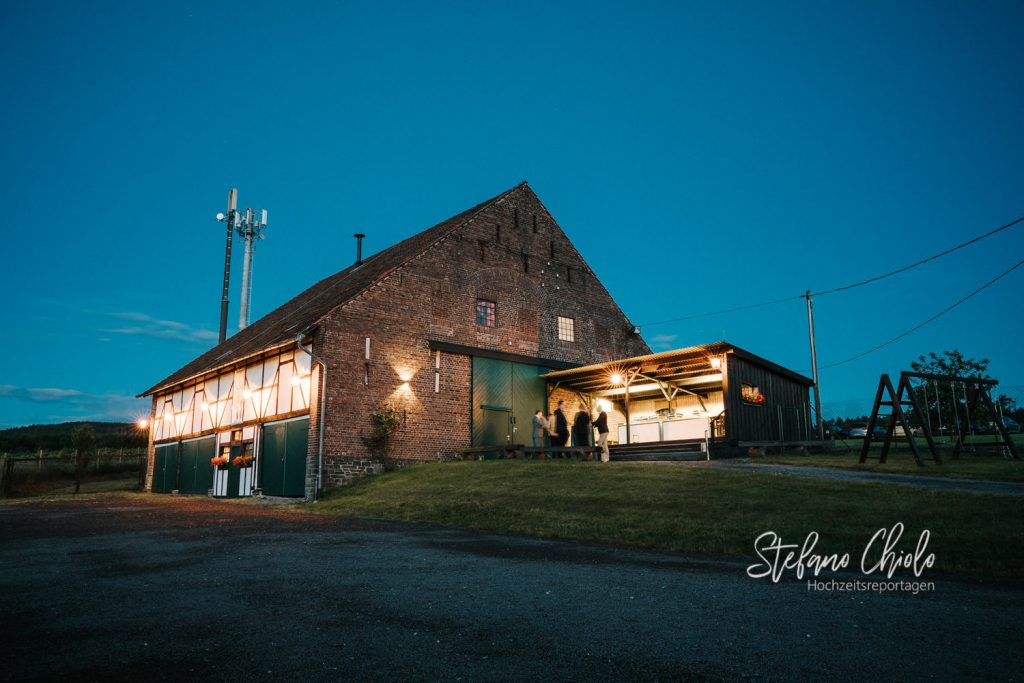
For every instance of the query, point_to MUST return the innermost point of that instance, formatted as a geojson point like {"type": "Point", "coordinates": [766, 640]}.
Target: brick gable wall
{"type": "Point", "coordinates": [514, 254]}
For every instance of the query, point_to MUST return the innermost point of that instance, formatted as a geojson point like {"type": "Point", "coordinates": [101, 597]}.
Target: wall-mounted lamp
{"type": "Point", "coordinates": [142, 423]}
{"type": "Point", "coordinates": [716, 362]}
{"type": "Point", "coordinates": [616, 379]}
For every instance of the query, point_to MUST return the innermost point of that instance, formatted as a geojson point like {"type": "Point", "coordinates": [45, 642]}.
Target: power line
{"type": "Point", "coordinates": [727, 310]}
{"type": "Point", "coordinates": [921, 262]}
{"type": "Point", "coordinates": [844, 287]}
{"type": "Point", "coordinates": [937, 315]}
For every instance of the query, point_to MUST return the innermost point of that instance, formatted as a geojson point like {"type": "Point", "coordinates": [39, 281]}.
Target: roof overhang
{"type": "Point", "coordinates": [691, 370]}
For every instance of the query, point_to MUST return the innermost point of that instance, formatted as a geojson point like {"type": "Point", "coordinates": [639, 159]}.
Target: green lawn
{"type": "Point", "coordinates": [691, 509]}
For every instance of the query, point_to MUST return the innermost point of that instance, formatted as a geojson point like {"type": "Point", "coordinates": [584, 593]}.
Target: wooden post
{"type": "Point", "coordinates": [1008, 444]}
{"type": "Point", "coordinates": [78, 471]}
{"type": "Point", "coordinates": [4, 478]}
{"type": "Point", "coordinates": [970, 402]}
{"type": "Point", "coordinates": [873, 420]}
{"type": "Point", "coordinates": [925, 424]}
{"type": "Point", "coordinates": [628, 428]}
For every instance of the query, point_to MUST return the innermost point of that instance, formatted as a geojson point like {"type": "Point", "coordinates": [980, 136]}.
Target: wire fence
{"type": "Point", "coordinates": [57, 472]}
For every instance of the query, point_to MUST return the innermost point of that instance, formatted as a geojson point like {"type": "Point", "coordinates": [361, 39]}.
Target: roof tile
{"type": "Point", "coordinates": [288, 320]}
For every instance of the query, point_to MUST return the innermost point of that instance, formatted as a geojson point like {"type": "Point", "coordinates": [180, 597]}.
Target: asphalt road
{"type": "Point", "coordinates": [159, 588]}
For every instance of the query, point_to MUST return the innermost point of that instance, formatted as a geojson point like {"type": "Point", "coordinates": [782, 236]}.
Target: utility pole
{"type": "Point", "coordinates": [250, 229]}
{"type": "Point", "coordinates": [230, 218]}
{"type": "Point", "coordinates": [814, 368]}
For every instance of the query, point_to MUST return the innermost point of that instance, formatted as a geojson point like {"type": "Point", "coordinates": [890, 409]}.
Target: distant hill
{"type": "Point", "coordinates": [54, 437]}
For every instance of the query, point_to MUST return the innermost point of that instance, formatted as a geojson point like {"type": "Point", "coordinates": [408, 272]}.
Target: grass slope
{"type": "Point", "coordinates": [690, 509]}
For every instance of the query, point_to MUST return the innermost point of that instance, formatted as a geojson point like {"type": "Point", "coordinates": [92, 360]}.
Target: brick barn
{"type": "Point", "coordinates": [455, 326]}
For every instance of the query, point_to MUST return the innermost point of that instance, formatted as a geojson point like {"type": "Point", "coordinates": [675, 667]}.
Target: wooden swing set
{"type": "Point", "coordinates": [975, 389]}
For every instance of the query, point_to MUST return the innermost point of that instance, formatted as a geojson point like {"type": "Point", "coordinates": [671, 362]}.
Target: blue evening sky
{"type": "Point", "coordinates": [700, 155]}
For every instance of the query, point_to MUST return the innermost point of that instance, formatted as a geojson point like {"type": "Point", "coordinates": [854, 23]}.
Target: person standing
{"type": "Point", "coordinates": [581, 431]}
{"type": "Point", "coordinates": [540, 426]}
{"type": "Point", "coordinates": [561, 435]}
{"type": "Point", "coordinates": [601, 423]}
{"type": "Point", "coordinates": [552, 432]}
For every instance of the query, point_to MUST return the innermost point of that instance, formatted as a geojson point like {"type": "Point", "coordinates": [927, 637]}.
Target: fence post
{"type": "Point", "coordinates": [4, 478]}
{"type": "Point", "coordinates": [39, 468]}
{"type": "Point", "coordinates": [78, 471]}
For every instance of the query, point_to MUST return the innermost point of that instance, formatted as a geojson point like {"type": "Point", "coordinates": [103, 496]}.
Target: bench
{"type": "Point", "coordinates": [574, 452]}
{"type": "Point", "coordinates": [530, 452]}
{"type": "Point", "coordinates": [482, 452]}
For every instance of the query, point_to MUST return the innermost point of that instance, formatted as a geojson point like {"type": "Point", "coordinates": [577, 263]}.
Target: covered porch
{"type": "Point", "coordinates": [696, 399]}
{"type": "Point", "coordinates": [670, 397]}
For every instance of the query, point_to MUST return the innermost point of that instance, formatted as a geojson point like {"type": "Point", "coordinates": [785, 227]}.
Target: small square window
{"type": "Point", "coordinates": [485, 313]}
{"type": "Point", "coordinates": [566, 329]}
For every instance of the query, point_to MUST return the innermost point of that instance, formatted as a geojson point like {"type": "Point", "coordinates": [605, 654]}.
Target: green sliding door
{"type": "Point", "coordinates": [284, 449]}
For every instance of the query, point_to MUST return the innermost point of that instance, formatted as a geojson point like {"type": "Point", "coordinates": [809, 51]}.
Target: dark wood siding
{"type": "Point", "coordinates": [784, 415]}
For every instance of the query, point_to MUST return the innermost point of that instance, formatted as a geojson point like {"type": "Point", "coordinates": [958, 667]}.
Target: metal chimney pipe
{"type": "Point", "coordinates": [359, 247]}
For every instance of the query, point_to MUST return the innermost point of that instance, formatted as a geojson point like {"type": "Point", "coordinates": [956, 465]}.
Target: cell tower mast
{"type": "Point", "coordinates": [250, 229]}
{"type": "Point", "coordinates": [229, 218]}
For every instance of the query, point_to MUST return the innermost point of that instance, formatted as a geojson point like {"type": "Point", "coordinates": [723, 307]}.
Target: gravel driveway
{"type": "Point", "coordinates": [992, 488]}
{"type": "Point", "coordinates": [172, 588]}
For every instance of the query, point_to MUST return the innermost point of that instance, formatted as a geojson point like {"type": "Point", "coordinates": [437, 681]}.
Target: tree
{"type": "Point", "coordinates": [945, 402]}
{"type": "Point", "coordinates": [1010, 408]}
{"type": "Point", "coordinates": [951, 363]}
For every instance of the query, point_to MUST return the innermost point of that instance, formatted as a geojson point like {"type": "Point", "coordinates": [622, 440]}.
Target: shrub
{"type": "Point", "coordinates": [384, 421]}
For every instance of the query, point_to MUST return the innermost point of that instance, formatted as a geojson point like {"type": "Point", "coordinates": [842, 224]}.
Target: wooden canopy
{"type": "Point", "coordinates": [692, 370]}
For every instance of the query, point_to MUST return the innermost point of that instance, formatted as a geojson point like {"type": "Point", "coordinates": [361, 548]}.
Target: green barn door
{"type": "Point", "coordinates": [295, 462]}
{"type": "Point", "coordinates": [529, 392]}
{"type": "Point", "coordinates": [234, 473]}
{"type": "Point", "coordinates": [492, 402]}
{"type": "Point", "coordinates": [505, 397]}
{"type": "Point", "coordinates": [165, 468]}
{"type": "Point", "coordinates": [196, 474]}
{"type": "Point", "coordinates": [283, 458]}
{"type": "Point", "coordinates": [495, 426]}
{"type": "Point", "coordinates": [272, 458]}
{"type": "Point", "coordinates": [206, 451]}
{"type": "Point", "coordinates": [187, 468]}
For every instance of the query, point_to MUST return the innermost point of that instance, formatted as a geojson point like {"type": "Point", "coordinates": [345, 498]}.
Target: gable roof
{"type": "Point", "coordinates": [281, 326]}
